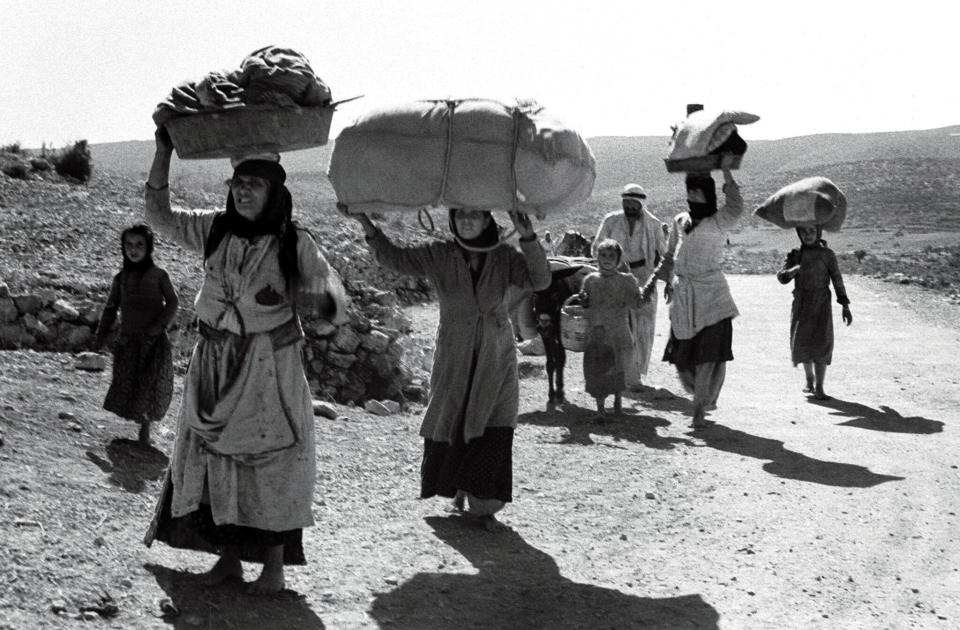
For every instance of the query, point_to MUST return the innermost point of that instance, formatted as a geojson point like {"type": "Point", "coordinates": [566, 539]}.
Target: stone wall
{"type": "Point", "coordinates": [360, 360]}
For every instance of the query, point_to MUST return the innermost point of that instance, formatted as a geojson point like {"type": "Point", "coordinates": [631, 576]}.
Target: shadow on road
{"type": "Point", "coordinates": [661, 399]}
{"type": "Point", "coordinates": [789, 464]}
{"type": "Point", "coordinates": [580, 423]}
{"type": "Point", "coordinates": [131, 464]}
{"type": "Point", "coordinates": [519, 586]}
{"type": "Point", "coordinates": [883, 419]}
{"type": "Point", "coordinates": [192, 605]}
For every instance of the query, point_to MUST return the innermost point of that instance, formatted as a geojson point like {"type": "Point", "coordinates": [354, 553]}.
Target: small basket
{"type": "Point", "coordinates": [248, 130]}
{"type": "Point", "coordinates": [573, 325]}
{"type": "Point", "coordinates": [700, 164]}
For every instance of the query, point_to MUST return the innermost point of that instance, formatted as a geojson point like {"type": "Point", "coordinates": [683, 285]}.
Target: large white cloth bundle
{"type": "Point", "coordinates": [472, 153]}
{"type": "Point", "coordinates": [703, 136]}
{"type": "Point", "coordinates": [814, 201]}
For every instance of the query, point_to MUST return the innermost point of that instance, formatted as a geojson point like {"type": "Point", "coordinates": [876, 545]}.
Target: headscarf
{"type": "Point", "coordinates": [140, 229]}
{"type": "Point", "coordinates": [275, 218]}
{"type": "Point", "coordinates": [820, 242]}
{"type": "Point", "coordinates": [705, 184]}
{"type": "Point", "coordinates": [487, 240]}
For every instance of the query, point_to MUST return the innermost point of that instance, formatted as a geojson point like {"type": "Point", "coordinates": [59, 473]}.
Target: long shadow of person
{"type": "Point", "coordinates": [581, 422]}
{"type": "Point", "coordinates": [519, 586]}
{"type": "Point", "coordinates": [789, 464]}
{"type": "Point", "coordinates": [131, 464]}
{"type": "Point", "coordinates": [661, 399]}
{"type": "Point", "coordinates": [191, 605]}
{"type": "Point", "coordinates": [883, 419]}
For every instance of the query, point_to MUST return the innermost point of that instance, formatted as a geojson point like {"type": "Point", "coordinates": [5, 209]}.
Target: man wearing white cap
{"type": "Point", "coordinates": [642, 237]}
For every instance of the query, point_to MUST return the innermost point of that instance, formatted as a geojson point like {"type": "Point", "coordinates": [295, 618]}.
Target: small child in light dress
{"type": "Point", "coordinates": [812, 268]}
{"type": "Point", "coordinates": [608, 294]}
{"type": "Point", "coordinates": [142, 383]}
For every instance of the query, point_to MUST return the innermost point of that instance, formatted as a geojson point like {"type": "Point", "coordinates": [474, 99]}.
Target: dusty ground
{"type": "Point", "coordinates": [784, 514]}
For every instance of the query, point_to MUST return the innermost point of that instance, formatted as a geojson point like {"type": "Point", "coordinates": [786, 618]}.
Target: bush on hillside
{"type": "Point", "coordinates": [17, 170]}
{"type": "Point", "coordinates": [74, 161]}
{"type": "Point", "coordinates": [11, 148]}
{"type": "Point", "coordinates": [40, 164]}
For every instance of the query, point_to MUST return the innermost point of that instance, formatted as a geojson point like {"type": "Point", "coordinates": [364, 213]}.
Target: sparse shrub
{"type": "Point", "coordinates": [11, 148]}
{"type": "Point", "coordinates": [74, 161]}
{"type": "Point", "coordinates": [40, 164]}
{"type": "Point", "coordinates": [17, 170]}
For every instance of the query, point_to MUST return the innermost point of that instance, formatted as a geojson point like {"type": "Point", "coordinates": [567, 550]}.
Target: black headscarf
{"type": "Point", "coordinates": [488, 239]}
{"type": "Point", "coordinates": [140, 229]}
{"type": "Point", "coordinates": [705, 184]}
{"type": "Point", "coordinates": [275, 218]}
{"type": "Point", "coordinates": [820, 242]}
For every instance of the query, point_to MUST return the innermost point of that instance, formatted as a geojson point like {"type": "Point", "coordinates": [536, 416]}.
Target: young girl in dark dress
{"type": "Point", "coordinates": [142, 383]}
{"type": "Point", "coordinates": [812, 268]}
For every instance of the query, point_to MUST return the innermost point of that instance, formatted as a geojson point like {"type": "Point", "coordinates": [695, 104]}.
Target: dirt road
{"type": "Point", "coordinates": [784, 514]}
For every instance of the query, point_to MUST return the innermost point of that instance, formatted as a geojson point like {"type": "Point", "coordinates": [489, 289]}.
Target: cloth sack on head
{"type": "Point", "coordinates": [814, 201]}
{"type": "Point", "coordinates": [704, 133]}
{"type": "Point", "coordinates": [475, 154]}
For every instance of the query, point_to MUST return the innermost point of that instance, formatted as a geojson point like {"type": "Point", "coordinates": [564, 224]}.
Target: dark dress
{"type": "Point", "coordinates": [474, 389]}
{"type": "Point", "coordinates": [142, 383]}
{"type": "Point", "coordinates": [811, 317]}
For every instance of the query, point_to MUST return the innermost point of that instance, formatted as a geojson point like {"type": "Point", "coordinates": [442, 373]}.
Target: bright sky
{"type": "Point", "coordinates": [96, 69]}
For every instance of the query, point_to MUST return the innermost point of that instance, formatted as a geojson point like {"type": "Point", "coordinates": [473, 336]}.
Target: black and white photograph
{"type": "Point", "coordinates": [438, 315]}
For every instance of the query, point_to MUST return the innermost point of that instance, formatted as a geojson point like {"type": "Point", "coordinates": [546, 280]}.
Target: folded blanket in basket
{"type": "Point", "coordinates": [271, 76]}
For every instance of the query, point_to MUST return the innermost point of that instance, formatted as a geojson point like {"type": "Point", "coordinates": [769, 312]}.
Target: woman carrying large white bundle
{"type": "Point", "coordinates": [470, 156]}
{"type": "Point", "coordinates": [474, 392]}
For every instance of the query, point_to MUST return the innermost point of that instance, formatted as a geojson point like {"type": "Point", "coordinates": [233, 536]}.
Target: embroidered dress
{"type": "Point", "coordinates": [244, 454]}
{"type": "Point", "coordinates": [474, 392]}
{"type": "Point", "coordinates": [609, 353]}
{"type": "Point", "coordinates": [811, 317]}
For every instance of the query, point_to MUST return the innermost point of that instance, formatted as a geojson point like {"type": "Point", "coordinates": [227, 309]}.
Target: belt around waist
{"type": "Point", "coordinates": [281, 336]}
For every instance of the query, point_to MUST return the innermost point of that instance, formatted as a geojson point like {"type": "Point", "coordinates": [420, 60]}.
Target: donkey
{"type": "Point", "coordinates": [566, 278]}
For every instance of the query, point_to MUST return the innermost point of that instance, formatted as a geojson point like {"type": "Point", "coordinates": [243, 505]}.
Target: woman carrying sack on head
{"type": "Point", "coordinates": [474, 389]}
{"type": "Point", "coordinates": [701, 306]}
{"type": "Point", "coordinates": [242, 472]}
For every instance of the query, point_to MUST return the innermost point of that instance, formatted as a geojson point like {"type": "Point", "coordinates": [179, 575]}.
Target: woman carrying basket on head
{"type": "Point", "coordinates": [243, 466]}
{"type": "Point", "coordinates": [474, 390]}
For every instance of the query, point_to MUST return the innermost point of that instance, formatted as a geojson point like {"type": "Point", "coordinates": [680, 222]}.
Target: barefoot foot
{"type": "Point", "coordinates": [270, 581]}
{"type": "Point", "coordinates": [224, 570]}
{"type": "Point", "coordinates": [819, 394]}
{"type": "Point", "coordinates": [456, 506]}
{"type": "Point", "coordinates": [699, 417]}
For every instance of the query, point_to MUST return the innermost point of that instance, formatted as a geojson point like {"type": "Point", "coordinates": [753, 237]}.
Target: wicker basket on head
{"type": "Point", "coordinates": [573, 325]}
{"type": "Point", "coordinates": [247, 130]}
